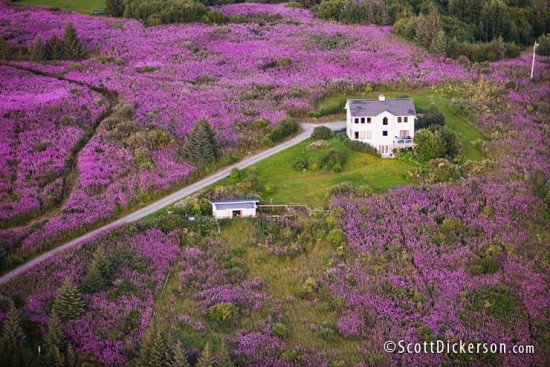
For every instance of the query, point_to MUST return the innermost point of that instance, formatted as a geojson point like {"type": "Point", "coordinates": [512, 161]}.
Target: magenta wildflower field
{"type": "Point", "coordinates": [81, 141]}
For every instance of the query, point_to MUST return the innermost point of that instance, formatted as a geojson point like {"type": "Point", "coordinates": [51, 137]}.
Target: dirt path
{"type": "Point", "coordinates": [169, 199]}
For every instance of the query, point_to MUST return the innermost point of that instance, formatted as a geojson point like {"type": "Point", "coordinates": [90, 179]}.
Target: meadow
{"type": "Point", "coordinates": [81, 6]}
{"type": "Point", "coordinates": [465, 260]}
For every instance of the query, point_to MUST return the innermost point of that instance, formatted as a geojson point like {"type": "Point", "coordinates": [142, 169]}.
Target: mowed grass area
{"type": "Point", "coordinates": [310, 187]}
{"type": "Point", "coordinates": [423, 100]}
{"type": "Point", "coordinates": [81, 6]}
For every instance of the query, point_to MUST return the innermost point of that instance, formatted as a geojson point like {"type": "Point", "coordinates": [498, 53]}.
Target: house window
{"type": "Point", "coordinates": [362, 120]}
{"type": "Point", "coordinates": [384, 149]}
{"type": "Point", "coordinates": [356, 120]}
{"type": "Point", "coordinates": [399, 119]}
{"type": "Point", "coordinates": [368, 134]}
{"type": "Point", "coordinates": [406, 119]}
{"type": "Point", "coordinates": [368, 120]}
{"type": "Point", "coordinates": [385, 133]}
{"type": "Point", "coordinates": [385, 121]}
{"type": "Point", "coordinates": [356, 134]}
{"type": "Point", "coordinates": [361, 135]}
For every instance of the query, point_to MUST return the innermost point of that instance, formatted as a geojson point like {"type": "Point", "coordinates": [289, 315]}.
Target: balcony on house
{"type": "Point", "coordinates": [403, 142]}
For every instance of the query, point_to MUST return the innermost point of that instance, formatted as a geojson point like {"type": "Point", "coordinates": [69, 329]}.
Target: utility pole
{"type": "Point", "coordinates": [533, 64]}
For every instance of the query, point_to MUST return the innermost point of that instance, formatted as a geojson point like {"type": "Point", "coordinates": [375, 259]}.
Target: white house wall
{"type": "Point", "coordinates": [228, 213]}
{"type": "Point", "coordinates": [376, 129]}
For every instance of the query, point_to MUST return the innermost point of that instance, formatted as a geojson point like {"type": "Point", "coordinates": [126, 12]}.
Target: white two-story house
{"type": "Point", "coordinates": [386, 124]}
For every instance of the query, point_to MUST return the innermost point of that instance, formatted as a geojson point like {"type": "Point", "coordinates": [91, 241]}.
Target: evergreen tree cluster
{"type": "Point", "coordinates": [202, 144]}
{"type": "Point", "coordinates": [158, 350]}
{"type": "Point", "coordinates": [479, 30]}
{"type": "Point", "coordinates": [18, 351]}
{"type": "Point", "coordinates": [69, 48]}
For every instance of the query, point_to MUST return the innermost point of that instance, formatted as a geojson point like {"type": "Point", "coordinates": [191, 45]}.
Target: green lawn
{"type": "Point", "coordinates": [423, 100]}
{"type": "Point", "coordinates": [310, 187]}
{"type": "Point", "coordinates": [81, 6]}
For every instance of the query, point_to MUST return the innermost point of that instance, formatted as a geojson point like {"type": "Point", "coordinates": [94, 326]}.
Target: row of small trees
{"type": "Point", "coordinates": [159, 350]}
{"type": "Point", "coordinates": [69, 48]}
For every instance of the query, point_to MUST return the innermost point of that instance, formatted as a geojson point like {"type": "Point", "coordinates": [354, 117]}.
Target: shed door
{"type": "Point", "coordinates": [237, 213]}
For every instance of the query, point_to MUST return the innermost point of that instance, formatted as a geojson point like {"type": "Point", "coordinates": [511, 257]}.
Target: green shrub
{"type": "Point", "coordinates": [337, 237]}
{"type": "Point", "coordinates": [285, 128]}
{"type": "Point", "coordinates": [496, 300]}
{"type": "Point", "coordinates": [358, 146]}
{"type": "Point", "coordinates": [334, 158]}
{"type": "Point", "coordinates": [314, 164]}
{"type": "Point", "coordinates": [436, 170]}
{"type": "Point", "coordinates": [223, 312]}
{"type": "Point", "coordinates": [321, 132]}
{"type": "Point", "coordinates": [279, 329]}
{"type": "Point", "coordinates": [300, 164]}
{"type": "Point", "coordinates": [431, 116]}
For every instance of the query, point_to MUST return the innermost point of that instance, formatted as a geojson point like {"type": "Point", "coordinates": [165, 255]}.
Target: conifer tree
{"type": "Point", "coordinates": [202, 143]}
{"type": "Point", "coordinates": [439, 43]}
{"type": "Point", "coordinates": [11, 329]}
{"type": "Point", "coordinates": [53, 47]}
{"type": "Point", "coordinates": [154, 351]}
{"type": "Point", "coordinates": [94, 280]}
{"type": "Point", "coordinates": [177, 357]}
{"type": "Point", "coordinates": [68, 303]}
{"type": "Point", "coordinates": [55, 335]}
{"type": "Point", "coordinates": [38, 50]}
{"type": "Point", "coordinates": [114, 8]}
{"type": "Point", "coordinates": [72, 47]}
{"type": "Point", "coordinates": [206, 359]}
{"type": "Point", "coordinates": [103, 262]}
{"type": "Point", "coordinates": [224, 358]}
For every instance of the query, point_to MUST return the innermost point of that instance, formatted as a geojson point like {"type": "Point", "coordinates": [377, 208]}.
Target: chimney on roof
{"type": "Point", "coordinates": [381, 98]}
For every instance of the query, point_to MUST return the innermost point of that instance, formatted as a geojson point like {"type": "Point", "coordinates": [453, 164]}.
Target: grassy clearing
{"type": "Point", "coordinates": [81, 6]}
{"type": "Point", "coordinates": [423, 100]}
{"type": "Point", "coordinates": [283, 278]}
{"type": "Point", "coordinates": [310, 187]}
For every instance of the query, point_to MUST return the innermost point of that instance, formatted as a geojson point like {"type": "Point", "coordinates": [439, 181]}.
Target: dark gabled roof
{"type": "Point", "coordinates": [234, 204]}
{"type": "Point", "coordinates": [374, 107]}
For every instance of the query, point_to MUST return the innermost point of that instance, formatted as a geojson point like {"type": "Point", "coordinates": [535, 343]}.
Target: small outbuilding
{"type": "Point", "coordinates": [234, 208]}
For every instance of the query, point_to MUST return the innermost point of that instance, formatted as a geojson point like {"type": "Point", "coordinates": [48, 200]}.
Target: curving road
{"type": "Point", "coordinates": [169, 199]}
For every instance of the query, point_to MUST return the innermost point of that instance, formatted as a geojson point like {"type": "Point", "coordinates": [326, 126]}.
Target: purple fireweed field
{"type": "Point", "coordinates": [82, 140]}
{"type": "Point", "coordinates": [173, 75]}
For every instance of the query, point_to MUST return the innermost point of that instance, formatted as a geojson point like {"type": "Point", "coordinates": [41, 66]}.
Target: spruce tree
{"type": "Point", "coordinates": [11, 329]}
{"type": "Point", "coordinates": [114, 8]}
{"type": "Point", "coordinates": [94, 280]}
{"type": "Point", "coordinates": [38, 50]}
{"type": "Point", "coordinates": [53, 47]}
{"type": "Point", "coordinates": [206, 359]}
{"type": "Point", "coordinates": [68, 303]}
{"type": "Point", "coordinates": [177, 356]}
{"type": "Point", "coordinates": [202, 143]}
{"type": "Point", "coordinates": [439, 43]}
{"type": "Point", "coordinates": [224, 357]}
{"type": "Point", "coordinates": [55, 335]}
{"type": "Point", "coordinates": [104, 264]}
{"type": "Point", "coordinates": [72, 47]}
{"type": "Point", "coordinates": [154, 351]}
